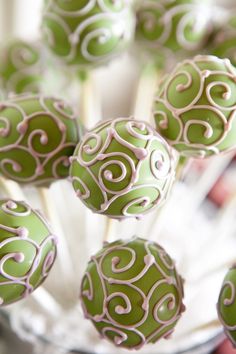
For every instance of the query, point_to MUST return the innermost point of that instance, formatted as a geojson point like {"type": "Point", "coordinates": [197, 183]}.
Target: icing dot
{"type": "Point", "coordinates": [39, 170]}
{"type": "Point", "coordinates": [44, 139]}
{"type": "Point", "coordinates": [19, 257]}
{"type": "Point", "coordinates": [141, 154]}
{"type": "Point", "coordinates": [180, 87]}
{"type": "Point", "coordinates": [149, 259]}
{"type": "Point", "coordinates": [206, 73]}
{"type": "Point", "coordinates": [22, 127]}
{"type": "Point", "coordinates": [66, 162]}
{"type": "Point", "coordinates": [159, 165]}
{"type": "Point", "coordinates": [11, 205]}
{"type": "Point", "coordinates": [115, 260]}
{"type": "Point", "coordinates": [3, 132]}
{"type": "Point", "coordinates": [22, 232]}
{"type": "Point", "coordinates": [226, 95]}
{"type": "Point", "coordinates": [16, 167]}
{"type": "Point", "coordinates": [108, 175]}
{"type": "Point", "coordinates": [120, 310]}
{"type": "Point", "coordinates": [62, 127]}
{"type": "Point", "coordinates": [78, 193]}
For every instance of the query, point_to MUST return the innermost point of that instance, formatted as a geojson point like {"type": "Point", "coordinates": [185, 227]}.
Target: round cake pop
{"type": "Point", "coordinates": [195, 108]}
{"type": "Point", "coordinates": [227, 305]}
{"type": "Point", "coordinates": [27, 250]}
{"type": "Point", "coordinates": [122, 168]}
{"type": "Point", "coordinates": [20, 67]}
{"type": "Point", "coordinates": [132, 293]}
{"type": "Point", "coordinates": [88, 32]}
{"type": "Point", "coordinates": [37, 136]}
{"type": "Point", "coordinates": [169, 26]}
{"type": "Point", "coordinates": [224, 45]}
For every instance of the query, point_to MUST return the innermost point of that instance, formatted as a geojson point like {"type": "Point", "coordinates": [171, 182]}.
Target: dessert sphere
{"type": "Point", "coordinates": [122, 168]}
{"type": "Point", "coordinates": [195, 108]}
{"type": "Point", "coordinates": [88, 32]}
{"type": "Point", "coordinates": [226, 306]}
{"type": "Point", "coordinates": [166, 27]}
{"type": "Point", "coordinates": [37, 136]}
{"type": "Point", "coordinates": [132, 293]}
{"type": "Point", "coordinates": [224, 45]}
{"type": "Point", "coordinates": [20, 67]}
{"type": "Point", "coordinates": [27, 250]}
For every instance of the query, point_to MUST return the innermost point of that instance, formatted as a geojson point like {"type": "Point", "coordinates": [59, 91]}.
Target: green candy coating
{"type": "Point", "coordinates": [20, 67]}
{"type": "Point", "coordinates": [226, 305]}
{"type": "Point", "coordinates": [27, 250]}
{"type": "Point", "coordinates": [37, 136]}
{"type": "Point", "coordinates": [122, 168]}
{"type": "Point", "coordinates": [132, 293]}
{"type": "Point", "coordinates": [166, 27]}
{"type": "Point", "coordinates": [224, 44]}
{"type": "Point", "coordinates": [88, 32]}
{"type": "Point", "coordinates": [195, 108]}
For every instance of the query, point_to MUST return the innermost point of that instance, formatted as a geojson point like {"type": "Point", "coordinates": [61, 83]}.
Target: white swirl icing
{"type": "Point", "coordinates": [119, 312]}
{"type": "Point", "coordinates": [118, 176]}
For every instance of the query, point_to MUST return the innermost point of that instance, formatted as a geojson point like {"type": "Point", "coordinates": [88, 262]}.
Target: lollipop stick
{"type": "Point", "coordinates": [11, 189]}
{"type": "Point", "coordinates": [144, 96]}
{"type": "Point", "coordinates": [67, 268]}
{"type": "Point", "coordinates": [110, 229]}
{"type": "Point", "coordinates": [90, 111]}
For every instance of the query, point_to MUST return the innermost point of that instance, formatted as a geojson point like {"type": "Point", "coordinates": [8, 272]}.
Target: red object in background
{"type": "Point", "coordinates": [220, 192]}
{"type": "Point", "coordinates": [225, 348]}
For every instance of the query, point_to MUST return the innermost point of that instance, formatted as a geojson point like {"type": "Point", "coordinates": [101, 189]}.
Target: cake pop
{"type": "Point", "coordinates": [122, 168]}
{"type": "Point", "coordinates": [20, 67]}
{"type": "Point", "coordinates": [88, 32]}
{"type": "Point", "coordinates": [168, 27]}
{"type": "Point", "coordinates": [195, 108]}
{"type": "Point", "coordinates": [27, 250]}
{"type": "Point", "coordinates": [227, 305]}
{"type": "Point", "coordinates": [37, 136]}
{"type": "Point", "coordinates": [132, 293]}
{"type": "Point", "coordinates": [224, 44]}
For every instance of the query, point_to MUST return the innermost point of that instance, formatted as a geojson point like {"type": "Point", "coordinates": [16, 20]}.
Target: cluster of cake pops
{"type": "Point", "coordinates": [122, 167]}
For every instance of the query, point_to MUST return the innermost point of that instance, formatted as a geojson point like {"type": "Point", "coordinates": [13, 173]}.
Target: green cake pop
{"type": "Point", "coordinates": [37, 136]}
{"type": "Point", "coordinates": [132, 293]}
{"type": "Point", "coordinates": [224, 45]}
{"type": "Point", "coordinates": [87, 32]}
{"type": "Point", "coordinates": [27, 250]}
{"type": "Point", "coordinates": [226, 306]}
{"type": "Point", "coordinates": [195, 108]}
{"type": "Point", "coordinates": [20, 67]}
{"type": "Point", "coordinates": [169, 26]}
{"type": "Point", "coordinates": [122, 168]}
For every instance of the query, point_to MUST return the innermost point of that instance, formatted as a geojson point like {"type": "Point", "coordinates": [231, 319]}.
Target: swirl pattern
{"type": "Point", "coordinates": [195, 109]}
{"type": "Point", "coordinates": [37, 136]}
{"type": "Point", "coordinates": [122, 168]}
{"type": "Point", "coordinates": [20, 67]}
{"type": "Point", "coordinates": [138, 293]}
{"type": "Point", "coordinates": [171, 26]}
{"type": "Point", "coordinates": [88, 32]}
{"type": "Point", "coordinates": [27, 250]}
{"type": "Point", "coordinates": [226, 306]}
